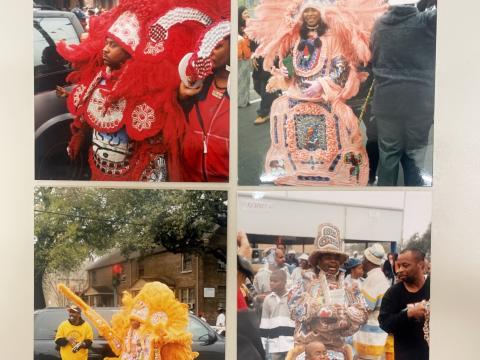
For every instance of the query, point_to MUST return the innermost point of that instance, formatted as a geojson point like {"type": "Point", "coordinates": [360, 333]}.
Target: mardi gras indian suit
{"type": "Point", "coordinates": [132, 111]}
{"type": "Point", "coordinates": [315, 137]}
{"type": "Point", "coordinates": [162, 332]}
{"type": "Point", "coordinates": [324, 307]}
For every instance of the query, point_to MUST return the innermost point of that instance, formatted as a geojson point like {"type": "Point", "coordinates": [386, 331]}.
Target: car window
{"type": "Point", "coordinates": [46, 33]}
{"type": "Point", "coordinates": [197, 329]}
{"type": "Point", "coordinates": [47, 322]}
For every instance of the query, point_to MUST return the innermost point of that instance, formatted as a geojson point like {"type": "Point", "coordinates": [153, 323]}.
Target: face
{"type": "Point", "coordinates": [357, 271]}
{"type": "Point", "coordinates": [134, 324]}
{"type": "Point", "coordinates": [113, 54]}
{"type": "Point", "coordinates": [279, 257]}
{"type": "Point", "coordinates": [316, 351]}
{"type": "Point", "coordinates": [304, 264]}
{"type": "Point", "coordinates": [311, 17]}
{"type": "Point", "coordinates": [330, 263]}
{"type": "Point", "coordinates": [408, 268]}
{"type": "Point", "coordinates": [74, 316]}
{"type": "Point", "coordinates": [276, 283]}
{"type": "Point", "coordinates": [245, 15]}
{"type": "Point", "coordinates": [221, 54]}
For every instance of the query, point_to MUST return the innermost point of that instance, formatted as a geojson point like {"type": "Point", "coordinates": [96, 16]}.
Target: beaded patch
{"type": "Point", "coordinates": [142, 117]}
{"type": "Point", "coordinates": [355, 160]}
{"type": "Point", "coordinates": [111, 152]}
{"type": "Point", "coordinates": [77, 94]}
{"type": "Point", "coordinates": [159, 317]}
{"type": "Point", "coordinates": [339, 70]}
{"type": "Point", "coordinates": [156, 171]}
{"type": "Point", "coordinates": [105, 118]}
{"type": "Point", "coordinates": [126, 28]}
{"type": "Point", "coordinates": [158, 31]}
{"type": "Point", "coordinates": [311, 132]}
{"type": "Point", "coordinates": [314, 66]}
{"type": "Point", "coordinates": [212, 37]}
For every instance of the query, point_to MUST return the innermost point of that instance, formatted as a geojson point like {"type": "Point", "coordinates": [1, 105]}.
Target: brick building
{"type": "Point", "coordinates": [199, 281]}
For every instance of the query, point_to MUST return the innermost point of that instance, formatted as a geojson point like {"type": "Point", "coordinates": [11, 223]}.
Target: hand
{"type": "Point", "coordinates": [185, 92]}
{"type": "Point", "coordinates": [416, 311]}
{"type": "Point", "coordinates": [61, 92]}
{"type": "Point", "coordinates": [77, 347]}
{"type": "Point", "coordinates": [315, 88]}
{"type": "Point", "coordinates": [255, 64]}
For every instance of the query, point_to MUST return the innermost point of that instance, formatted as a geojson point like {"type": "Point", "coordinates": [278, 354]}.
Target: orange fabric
{"type": "Point", "coordinates": [244, 52]}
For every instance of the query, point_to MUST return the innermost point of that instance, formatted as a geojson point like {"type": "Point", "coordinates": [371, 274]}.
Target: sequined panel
{"type": "Point", "coordinates": [285, 118]}
{"type": "Point", "coordinates": [307, 62]}
{"type": "Point", "coordinates": [292, 162]}
{"type": "Point", "coordinates": [111, 152]}
{"type": "Point", "coordinates": [339, 70]}
{"type": "Point", "coordinates": [310, 132]}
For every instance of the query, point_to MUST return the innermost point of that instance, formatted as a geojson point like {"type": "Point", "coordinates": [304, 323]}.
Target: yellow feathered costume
{"type": "Point", "coordinates": [163, 324]}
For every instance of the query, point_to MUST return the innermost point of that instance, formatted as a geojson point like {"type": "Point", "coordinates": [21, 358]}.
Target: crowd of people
{"type": "Point", "coordinates": [328, 306]}
{"type": "Point", "coordinates": [150, 96]}
{"type": "Point", "coordinates": [340, 63]}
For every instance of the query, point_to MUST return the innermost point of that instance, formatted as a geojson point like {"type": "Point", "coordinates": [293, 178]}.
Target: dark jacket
{"type": "Point", "coordinates": [403, 62]}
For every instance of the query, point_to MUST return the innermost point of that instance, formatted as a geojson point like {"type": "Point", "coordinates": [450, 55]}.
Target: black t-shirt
{"type": "Point", "coordinates": [408, 333]}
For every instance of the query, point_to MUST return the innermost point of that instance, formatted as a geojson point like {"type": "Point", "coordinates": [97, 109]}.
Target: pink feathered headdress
{"type": "Point", "coordinates": [277, 23]}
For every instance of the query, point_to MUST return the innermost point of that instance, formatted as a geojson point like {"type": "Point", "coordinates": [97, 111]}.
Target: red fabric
{"type": "Point", "coordinates": [212, 166]}
{"type": "Point", "coordinates": [241, 302]}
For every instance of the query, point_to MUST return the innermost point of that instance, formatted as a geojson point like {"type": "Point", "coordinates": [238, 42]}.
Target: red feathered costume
{"type": "Point", "coordinates": [136, 120]}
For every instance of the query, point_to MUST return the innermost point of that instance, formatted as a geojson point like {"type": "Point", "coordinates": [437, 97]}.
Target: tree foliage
{"type": "Point", "coordinates": [422, 242]}
{"type": "Point", "coordinates": [73, 224]}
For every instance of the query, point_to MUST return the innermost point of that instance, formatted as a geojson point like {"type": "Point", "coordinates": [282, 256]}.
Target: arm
{"type": "Point", "coordinates": [60, 338]}
{"type": "Point", "coordinates": [391, 317]}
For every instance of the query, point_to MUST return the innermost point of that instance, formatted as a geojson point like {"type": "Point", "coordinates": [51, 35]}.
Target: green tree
{"type": "Point", "coordinates": [74, 224]}
{"type": "Point", "coordinates": [422, 242]}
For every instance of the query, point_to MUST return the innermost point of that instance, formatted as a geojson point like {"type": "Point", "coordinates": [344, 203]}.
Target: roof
{"type": "Point", "coordinates": [116, 257]}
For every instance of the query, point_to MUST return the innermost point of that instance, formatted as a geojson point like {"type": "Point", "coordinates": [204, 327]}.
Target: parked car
{"type": "Point", "coordinates": [206, 341]}
{"type": "Point", "coordinates": [52, 119]}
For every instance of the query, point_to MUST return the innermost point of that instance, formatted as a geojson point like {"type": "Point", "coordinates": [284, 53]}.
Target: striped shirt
{"type": "Point", "coordinates": [369, 341]}
{"type": "Point", "coordinates": [276, 327]}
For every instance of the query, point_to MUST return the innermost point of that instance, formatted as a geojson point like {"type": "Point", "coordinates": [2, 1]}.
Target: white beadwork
{"type": "Point", "coordinates": [159, 317]}
{"type": "Point", "coordinates": [153, 48]}
{"type": "Point", "coordinates": [127, 28]}
{"type": "Point", "coordinates": [96, 111]}
{"type": "Point", "coordinates": [143, 116]}
{"type": "Point", "coordinates": [179, 15]}
{"type": "Point", "coordinates": [77, 95]}
{"type": "Point", "coordinates": [212, 37]}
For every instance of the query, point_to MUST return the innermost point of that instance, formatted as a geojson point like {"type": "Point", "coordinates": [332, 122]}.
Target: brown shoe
{"type": "Point", "coordinates": [261, 120]}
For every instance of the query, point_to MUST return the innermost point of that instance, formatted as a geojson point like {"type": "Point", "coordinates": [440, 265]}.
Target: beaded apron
{"type": "Point", "coordinates": [310, 143]}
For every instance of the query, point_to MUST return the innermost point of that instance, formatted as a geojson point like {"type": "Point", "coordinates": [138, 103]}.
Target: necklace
{"type": "Point", "coordinates": [312, 27]}
{"type": "Point", "coordinates": [218, 91]}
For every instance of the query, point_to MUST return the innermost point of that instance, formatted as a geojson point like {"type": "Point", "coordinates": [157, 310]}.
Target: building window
{"type": "Point", "coordinates": [187, 296]}
{"type": "Point", "coordinates": [221, 266]}
{"type": "Point", "coordinates": [186, 262]}
{"type": "Point", "coordinates": [221, 292]}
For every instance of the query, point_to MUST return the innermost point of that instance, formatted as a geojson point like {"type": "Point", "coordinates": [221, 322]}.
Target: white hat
{"type": "Point", "coordinates": [303, 257]}
{"type": "Point", "coordinates": [375, 254]}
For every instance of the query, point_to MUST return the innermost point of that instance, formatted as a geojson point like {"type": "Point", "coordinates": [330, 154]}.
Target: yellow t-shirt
{"type": "Point", "coordinates": [79, 333]}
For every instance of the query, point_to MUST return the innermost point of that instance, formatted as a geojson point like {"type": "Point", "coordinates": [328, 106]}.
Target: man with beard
{"type": "Point", "coordinates": [403, 308]}
{"type": "Point", "coordinates": [323, 307]}
{"type": "Point", "coordinates": [74, 336]}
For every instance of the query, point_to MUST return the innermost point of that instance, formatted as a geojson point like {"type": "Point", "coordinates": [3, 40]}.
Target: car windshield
{"type": "Point", "coordinates": [46, 33]}
{"type": "Point", "coordinates": [198, 329]}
